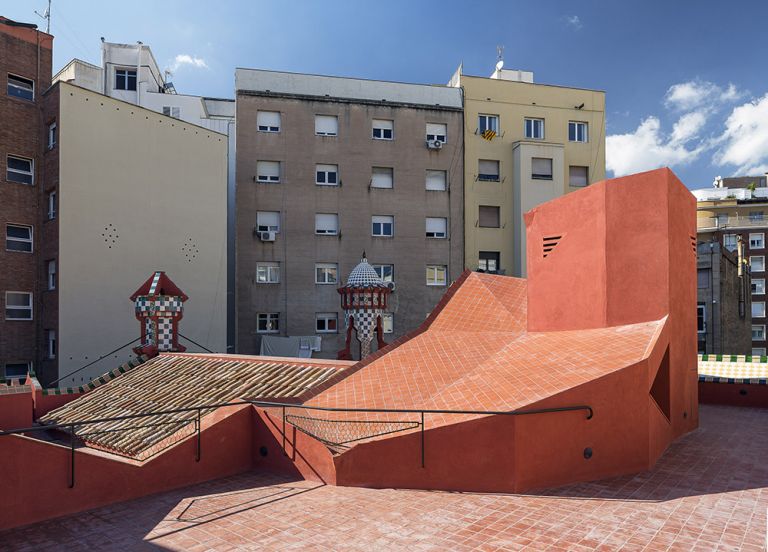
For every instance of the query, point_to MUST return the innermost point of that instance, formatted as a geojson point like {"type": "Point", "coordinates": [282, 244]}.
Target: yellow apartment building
{"type": "Point", "coordinates": [524, 144]}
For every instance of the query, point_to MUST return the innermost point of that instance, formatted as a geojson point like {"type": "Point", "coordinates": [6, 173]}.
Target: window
{"type": "Point", "coordinates": [327, 322]}
{"type": "Point", "coordinates": [268, 121]}
{"type": "Point", "coordinates": [327, 224]}
{"type": "Point", "coordinates": [172, 111]}
{"type": "Point", "coordinates": [437, 180]}
{"type": "Point", "coordinates": [758, 332]}
{"type": "Point", "coordinates": [757, 241]}
{"type": "Point", "coordinates": [758, 286]}
{"type": "Point", "coordinates": [489, 216]}
{"type": "Point", "coordinates": [702, 278]}
{"type": "Point", "coordinates": [541, 168]}
{"type": "Point", "coordinates": [437, 131]}
{"type": "Point", "coordinates": [18, 305]}
{"type": "Point", "coordinates": [489, 261]}
{"type": "Point", "coordinates": [327, 175]}
{"type": "Point", "coordinates": [437, 227]}
{"type": "Point", "coordinates": [388, 322]}
{"type": "Point", "coordinates": [268, 171]}
{"type": "Point", "coordinates": [701, 318]}
{"type": "Point", "coordinates": [268, 221]}
{"type": "Point", "coordinates": [722, 220]}
{"type": "Point", "coordinates": [437, 275]}
{"type": "Point", "coordinates": [487, 122]}
{"type": "Point", "coordinates": [488, 170]}
{"type": "Point", "coordinates": [758, 309]}
{"type": "Point", "coordinates": [383, 129]}
{"type": "Point", "coordinates": [17, 370]}
{"type": "Point", "coordinates": [756, 216]}
{"type": "Point", "coordinates": [268, 322]}
{"type": "Point", "coordinates": [534, 128]}
{"type": "Point", "coordinates": [19, 87]}
{"type": "Point", "coordinates": [267, 273]}
{"type": "Point", "coordinates": [757, 264]}
{"type": "Point", "coordinates": [385, 271]}
{"type": "Point", "coordinates": [326, 273]}
{"type": "Point", "coordinates": [18, 238]}
{"type": "Point", "coordinates": [758, 351]}
{"type": "Point", "coordinates": [578, 177]}
{"type": "Point", "coordinates": [382, 177]}
{"type": "Point", "coordinates": [51, 271]}
{"type": "Point", "coordinates": [730, 241]}
{"type": "Point", "coordinates": [326, 125]}
{"type": "Point", "coordinates": [51, 205]}
{"type": "Point", "coordinates": [50, 341]}
{"type": "Point", "coordinates": [125, 79]}
{"type": "Point", "coordinates": [51, 136]}
{"type": "Point", "coordinates": [383, 226]}
{"type": "Point", "coordinates": [20, 170]}
{"type": "Point", "coordinates": [578, 132]}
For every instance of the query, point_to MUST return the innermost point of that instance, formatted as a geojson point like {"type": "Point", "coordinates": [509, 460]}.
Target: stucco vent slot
{"type": "Point", "coordinates": [549, 244]}
{"type": "Point", "coordinates": [110, 235]}
{"type": "Point", "coordinates": [693, 243]}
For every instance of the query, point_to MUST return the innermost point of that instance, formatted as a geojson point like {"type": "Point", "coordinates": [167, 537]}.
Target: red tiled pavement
{"type": "Point", "coordinates": [708, 492]}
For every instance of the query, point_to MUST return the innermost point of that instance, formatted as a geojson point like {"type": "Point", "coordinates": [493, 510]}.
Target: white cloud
{"type": "Point", "coordinates": [694, 94]}
{"type": "Point", "coordinates": [185, 59]}
{"type": "Point", "coordinates": [573, 21]}
{"type": "Point", "coordinates": [744, 142]}
{"type": "Point", "coordinates": [648, 148]}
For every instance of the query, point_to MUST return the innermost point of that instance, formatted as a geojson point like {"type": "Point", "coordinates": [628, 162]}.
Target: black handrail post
{"type": "Point", "coordinates": [197, 424]}
{"type": "Point", "coordinates": [72, 456]}
{"type": "Point", "coordinates": [285, 452]}
{"type": "Point", "coordinates": [422, 439]}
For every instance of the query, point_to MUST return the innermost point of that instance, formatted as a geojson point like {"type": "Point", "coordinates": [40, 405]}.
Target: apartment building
{"type": "Point", "coordinates": [329, 168]}
{"type": "Point", "coordinates": [525, 143]}
{"type": "Point", "coordinates": [130, 73]}
{"type": "Point", "coordinates": [25, 72]}
{"type": "Point", "coordinates": [724, 300]}
{"type": "Point", "coordinates": [736, 208]}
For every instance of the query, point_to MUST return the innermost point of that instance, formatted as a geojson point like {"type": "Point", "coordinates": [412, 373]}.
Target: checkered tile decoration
{"type": "Point", "coordinates": [365, 323]}
{"type": "Point", "coordinates": [165, 334]}
{"type": "Point", "coordinates": [159, 304]}
{"type": "Point", "coordinates": [733, 369]}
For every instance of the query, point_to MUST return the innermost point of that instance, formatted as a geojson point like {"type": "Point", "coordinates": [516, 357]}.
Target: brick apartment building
{"type": "Point", "coordinates": [328, 168]}
{"type": "Point", "coordinates": [25, 72]}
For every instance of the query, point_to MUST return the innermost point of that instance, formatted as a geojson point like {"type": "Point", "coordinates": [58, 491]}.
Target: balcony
{"type": "Point", "coordinates": [724, 222]}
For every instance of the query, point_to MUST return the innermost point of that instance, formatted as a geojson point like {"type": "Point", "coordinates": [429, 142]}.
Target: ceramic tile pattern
{"type": "Point", "coordinates": [708, 492]}
{"type": "Point", "coordinates": [172, 381]}
{"type": "Point", "coordinates": [476, 354]}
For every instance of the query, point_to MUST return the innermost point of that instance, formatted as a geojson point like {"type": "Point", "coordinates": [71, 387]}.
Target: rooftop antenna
{"type": "Point", "coordinates": [47, 17]}
{"type": "Point", "coordinates": [499, 57]}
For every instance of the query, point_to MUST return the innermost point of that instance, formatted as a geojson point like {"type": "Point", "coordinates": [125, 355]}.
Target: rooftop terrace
{"type": "Point", "coordinates": [708, 492]}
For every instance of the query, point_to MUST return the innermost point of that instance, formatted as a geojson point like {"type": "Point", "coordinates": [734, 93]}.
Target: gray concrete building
{"type": "Point", "coordinates": [724, 308]}
{"type": "Point", "coordinates": [328, 168]}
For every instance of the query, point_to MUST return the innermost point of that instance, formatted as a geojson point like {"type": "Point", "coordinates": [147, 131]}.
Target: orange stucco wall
{"type": "Point", "coordinates": [733, 394]}
{"type": "Point", "coordinates": [16, 410]}
{"type": "Point", "coordinates": [102, 479]}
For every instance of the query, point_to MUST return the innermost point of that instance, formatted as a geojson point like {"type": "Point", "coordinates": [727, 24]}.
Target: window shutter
{"type": "Point", "coordinates": [268, 168]}
{"type": "Point", "coordinates": [268, 119]}
{"type": "Point", "coordinates": [489, 167]}
{"type": "Point", "coordinates": [326, 223]}
{"type": "Point", "coordinates": [489, 216]}
{"type": "Point", "coordinates": [326, 124]}
{"type": "Point", "coordinates": [381, 177]}
{"type": "Point", "coordinates": [268, 218]}
{"type": "Point", "coordinates": [436, 225]}
{"type": "Point", "coordinates": [383, 124]}
{"type": "Point", "coordinates": [541, 167]}
{"type": "Point", "coordinates": [436, 180]}
{"type": "Point", "coordinates": [577, 176]}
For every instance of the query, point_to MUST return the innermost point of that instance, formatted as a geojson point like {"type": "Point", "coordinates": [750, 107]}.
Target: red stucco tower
{"type": "Point", "coordinates": [159, 307]}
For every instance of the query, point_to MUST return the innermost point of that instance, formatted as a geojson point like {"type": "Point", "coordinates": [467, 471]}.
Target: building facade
{"type": "Point", "coordinates": [329, 168]}
{"type": "Point", "coordinates": [25, 73]}
{"type": "Point", "coordinates": [524, 144]}
{"type": "Point", "coordinates": [734, 209]}
{"type": "Point", "coordinates": [724, 305]}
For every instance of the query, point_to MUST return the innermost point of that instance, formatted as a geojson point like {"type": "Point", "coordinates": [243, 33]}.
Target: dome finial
{"type": "Point", "coordinates": [364, 258]}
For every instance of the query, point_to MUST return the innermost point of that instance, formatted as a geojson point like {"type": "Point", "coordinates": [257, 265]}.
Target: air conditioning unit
{"type": "Point", "coordinates": [434, 144]}
{"type": "Point", "coordinates": [267, 236]}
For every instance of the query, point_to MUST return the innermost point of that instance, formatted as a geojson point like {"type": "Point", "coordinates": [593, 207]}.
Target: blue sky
{"type": "Point", "coordinates": [685, 80]}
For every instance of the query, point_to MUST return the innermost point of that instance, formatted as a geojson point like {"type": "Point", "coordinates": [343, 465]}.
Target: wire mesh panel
{"type": "Point", "coordinates": [335, 432]}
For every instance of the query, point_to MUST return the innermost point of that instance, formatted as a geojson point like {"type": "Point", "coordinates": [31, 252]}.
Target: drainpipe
{"type": "Point", "coordinates": [138, 73]}
{"type": "Point", "coordinates": [742, 287]}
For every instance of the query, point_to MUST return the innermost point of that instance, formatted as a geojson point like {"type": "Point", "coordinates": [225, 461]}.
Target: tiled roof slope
{"type": "Point", "coordinates": [476, 354]}
{"type": "Point", "coordinates": [176, 380]}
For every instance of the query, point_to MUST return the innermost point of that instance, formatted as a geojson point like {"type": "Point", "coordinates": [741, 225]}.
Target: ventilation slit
{"type": "Point", "coordinates": [549, 243]}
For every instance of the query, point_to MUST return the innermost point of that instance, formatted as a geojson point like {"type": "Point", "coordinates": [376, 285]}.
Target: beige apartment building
{"type": "Point", "coordinates": [329, 168]}
{"type": "Point", "coordinates": [525, 143]}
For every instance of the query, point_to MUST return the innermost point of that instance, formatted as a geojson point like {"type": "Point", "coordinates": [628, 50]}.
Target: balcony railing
{"type": "Point", "coordinates": [731, 221]}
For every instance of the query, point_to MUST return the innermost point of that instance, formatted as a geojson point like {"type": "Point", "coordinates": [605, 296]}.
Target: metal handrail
{"type": "Point", "coordinates": [72, 425]}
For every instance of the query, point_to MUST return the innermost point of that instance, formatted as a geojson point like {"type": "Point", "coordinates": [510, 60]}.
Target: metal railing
{"type": "Point", "coordinates": [732, 221]}
{"type": "Point", "coordinates": [295, 421]}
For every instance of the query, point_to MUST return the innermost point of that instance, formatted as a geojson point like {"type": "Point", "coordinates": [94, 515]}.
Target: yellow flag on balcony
{"type": "Point", "coordinates": [489, 134]}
